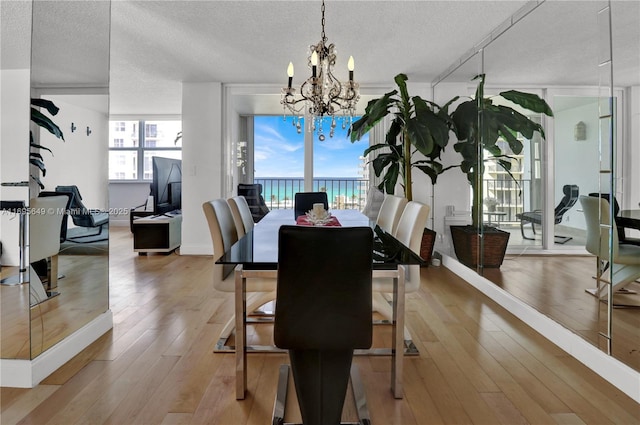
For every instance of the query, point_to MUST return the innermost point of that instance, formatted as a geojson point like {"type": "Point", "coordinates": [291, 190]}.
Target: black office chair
{"type": "Point", "coordinates": [571, 194]}
{"type": "Point", "coordinates": [323, 312]}
{"type": "Point", "coordinates": [303, 202]}
{"type": "Point", "coordinates": [253, 194]}
{"type": "Point", "coordinates": [622, 237]}
{"type": "Point", "coordinates": [81, 215]}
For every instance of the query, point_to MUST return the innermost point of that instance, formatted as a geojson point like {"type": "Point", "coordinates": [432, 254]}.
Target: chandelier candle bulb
{"type": "Point", "coordinates": [314, 63]}
{"type": "Point", "coordinates": [351, 66]}
{"type": "Point", "coordinates": [290, 73]}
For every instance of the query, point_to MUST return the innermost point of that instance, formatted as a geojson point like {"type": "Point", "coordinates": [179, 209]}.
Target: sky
{"type": "Point", "coordinates": [279, 150]}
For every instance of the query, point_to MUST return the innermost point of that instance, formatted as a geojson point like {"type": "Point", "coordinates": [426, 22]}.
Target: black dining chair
{"type": "Point", "coordinates": [323, 312]}
{"type": "Point", "coordinates": [303, 202]}
{"type": "Point", "coordinates": [253, 195]}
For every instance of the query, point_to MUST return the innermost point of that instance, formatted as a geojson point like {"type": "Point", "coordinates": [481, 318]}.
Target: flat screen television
{"type": "Point", "coordinates": [166, 186]}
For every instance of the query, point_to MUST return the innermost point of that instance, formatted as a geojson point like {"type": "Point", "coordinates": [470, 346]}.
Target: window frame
{"type": "Point", "coordinates": [142, 147]}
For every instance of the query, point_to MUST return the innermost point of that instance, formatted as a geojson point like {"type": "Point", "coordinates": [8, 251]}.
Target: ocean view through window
{"type": "Point", "coordinates": [338, 165]}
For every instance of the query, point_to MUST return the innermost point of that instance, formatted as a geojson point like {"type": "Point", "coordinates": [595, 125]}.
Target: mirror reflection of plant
{"type": "Point", "coordinates": [417, 126]}
{"type": "Point", "coordinates": [41, 120]}
{"type": "Point", "coordinates": [498, 122]}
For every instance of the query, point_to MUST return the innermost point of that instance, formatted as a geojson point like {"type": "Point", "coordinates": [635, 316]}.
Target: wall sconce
{"type": "Point", "coordinates": [88, 131]}
{"type": "Point", "coordinates": [580, 131]}
{"type": "Point", "coordinates": [73, 127]}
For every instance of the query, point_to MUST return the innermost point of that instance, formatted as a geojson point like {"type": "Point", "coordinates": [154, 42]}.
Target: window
{"type": "Point", "coordinates": [133, 143]}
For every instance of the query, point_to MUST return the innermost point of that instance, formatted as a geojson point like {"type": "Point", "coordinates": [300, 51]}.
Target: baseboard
{"type": "Point", "coordinates": [617, 373]}
{"type": "Point", "coordinates": [29, 373]}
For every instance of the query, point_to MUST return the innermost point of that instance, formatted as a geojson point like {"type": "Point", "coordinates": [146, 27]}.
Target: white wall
{"type": "Point", "coordinates": [123, 197]}
{"type": "Point", "coordinates": [202, 154]}
{"type": "Point", "coordinates": [81, 159]}
{"type": "Point", "coordinates": [14, 153]}
{"type": "Point", "coordinates": [576, 162]}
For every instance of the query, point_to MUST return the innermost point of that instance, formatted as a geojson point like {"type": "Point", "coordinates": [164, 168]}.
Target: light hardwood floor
{"type": "Point", "coordinates": [477, 363]}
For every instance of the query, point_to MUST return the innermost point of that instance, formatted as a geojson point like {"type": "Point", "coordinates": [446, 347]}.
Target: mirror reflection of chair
{"type": "Point", "coordinates": [253, 194]}
{"type": "Point", "coordinates": [81, 215]}
{"type": "Point", "coordinates": [622, 237]}
{"type": "Point", "coordinates": [571, 193]}
{"type": "Point", "coordinates": [323, 313]}
{"type": "Point", "coordinates": [390, 212]}
{"type": "Point", "coordinates": [241, 215]}
{"type": "Point", "coordinates": [223, 235]}
{"type": "Point", "coordinates": [303, 202]}
{"type": "Point", "coordinates": [409, 232]}
{"type": "Point", "coordinates": [63, 227]}
{"type": "Point", "coordinates": [372, 205]}
{"type": "Point", "coordinates": [45, 221]}
{"type": "Point", "coordinates": [625, 259]}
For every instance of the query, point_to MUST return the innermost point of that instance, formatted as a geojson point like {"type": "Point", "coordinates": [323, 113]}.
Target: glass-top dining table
{"type": "Point", "coordinates": [256, 256]}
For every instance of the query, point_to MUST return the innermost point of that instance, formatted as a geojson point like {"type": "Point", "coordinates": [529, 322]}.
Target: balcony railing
{"type": "Point", "coordinates": [343, 193]}
{"type": "Point", "coordinates": [510, 197]}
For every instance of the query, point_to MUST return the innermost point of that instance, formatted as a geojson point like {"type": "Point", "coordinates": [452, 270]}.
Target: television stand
{"type": "Point", "coordinates": [157, 233]}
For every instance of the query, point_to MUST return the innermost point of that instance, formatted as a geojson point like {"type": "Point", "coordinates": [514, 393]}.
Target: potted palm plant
{"type": "Point", "coordinates": [478, 122]}
{"type": "Point", "coordinates": [418, 126]}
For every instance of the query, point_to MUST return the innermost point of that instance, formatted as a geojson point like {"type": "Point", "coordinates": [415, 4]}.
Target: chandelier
{"type": "Point", "coordinates": [322, 95]}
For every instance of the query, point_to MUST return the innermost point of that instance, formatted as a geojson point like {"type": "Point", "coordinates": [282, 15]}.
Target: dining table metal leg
{"type": "Point", "coordinates": [398, 332]}
{"type": "Point", "coordinates": [241, 332]}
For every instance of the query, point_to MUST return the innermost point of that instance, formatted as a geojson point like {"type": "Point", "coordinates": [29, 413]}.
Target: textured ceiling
{"type": "Point", "coordinates": [156, 45]}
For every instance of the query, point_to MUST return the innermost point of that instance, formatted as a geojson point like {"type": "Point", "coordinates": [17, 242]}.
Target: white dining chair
{"type": "Point", "coordinates": [45, 222]}
{"type": "Point", "coordinates": [409, 232]}
{"type": "Point", "coordinates": [390, 212]}
{"type": "Point", "coordinates": [624, 259]}
{"type": "Point", "coordinates": [241, 215]}
{"type": "Point", "coordinates": [223, 235]}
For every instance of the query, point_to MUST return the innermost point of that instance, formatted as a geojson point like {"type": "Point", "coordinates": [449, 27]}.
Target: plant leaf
{"type": "Point", "coordinates": [376, 110]}
{"type": "Point", "coordinates": [39, 164]}
{"type": "Point", "coordinates": [47, 104]}
{"type": "Point", "coordinates": [529, 101]}
{"type": "Point", "coordinates": [45, 122]}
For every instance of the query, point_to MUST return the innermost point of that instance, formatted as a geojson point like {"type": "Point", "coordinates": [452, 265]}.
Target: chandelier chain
{"type": "Point", "coordinates": [324, 37]}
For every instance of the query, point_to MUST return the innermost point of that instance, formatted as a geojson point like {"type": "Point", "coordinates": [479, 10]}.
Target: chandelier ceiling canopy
{"type": "Point", "coordinates": [322, 94]}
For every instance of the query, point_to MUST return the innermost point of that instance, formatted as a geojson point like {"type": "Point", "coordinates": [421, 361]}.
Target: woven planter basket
{"type": "Point", "coordinates": [426, 247]}
{"type": "Point", "coordinates": [467, 247]}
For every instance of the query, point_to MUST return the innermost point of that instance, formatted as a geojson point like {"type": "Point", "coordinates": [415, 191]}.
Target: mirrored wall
{"type": "Point", "coordinates": [66, 249]}
{"type": "Point", "coordinates": [547, 264]}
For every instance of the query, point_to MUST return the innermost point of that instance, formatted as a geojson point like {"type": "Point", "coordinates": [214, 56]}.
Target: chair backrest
{"type": "Point", "coordinates": [241, 214]}
{"type": "Point", "coordinates": [409, 231]}
{"type": "Point", "coordinates": [221, 225]}
{"type": "Point", "coordinates": [223, 234]}
{"type": "Point", "coordinates": [571, 194]}
{"type": "Point", "coordinates": [303, 202]}
{"type": "Point", "coordinates": [63, 227]}
{"type": "Point", "coordinates": [596, 212]}
{"type": "Point", "coordinates": [390, 212]}
{"type": "Point", "coordinates": [78, 212]}
{"type": "Point", "coordinates": [252, 192]}
{"type": "Point", "coordinates": [324, 288]}
{"type": "Point", "coordinates": [45, 221]}
{"type": "Point", "coordinates": [372, 206]}
{"type": "Point", "coordinates": [616, 212]}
